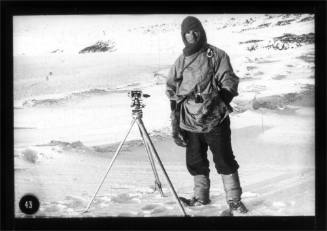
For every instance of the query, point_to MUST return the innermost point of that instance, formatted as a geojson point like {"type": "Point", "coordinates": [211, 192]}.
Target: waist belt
{"type": "Point", "coordinates": [195, 97]}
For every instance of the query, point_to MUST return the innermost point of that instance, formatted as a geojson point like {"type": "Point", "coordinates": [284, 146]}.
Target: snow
{"type": "Point", "coordinates": [72, 110]}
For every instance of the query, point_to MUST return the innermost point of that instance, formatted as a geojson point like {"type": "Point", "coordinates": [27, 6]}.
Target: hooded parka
{"type": "Point", "coordinates": [207, 72]}
{"type": "Point", "coordinates": [197, 80]}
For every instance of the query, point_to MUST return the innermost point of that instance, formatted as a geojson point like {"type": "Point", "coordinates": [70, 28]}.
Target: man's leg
{"type": "Point", "coordinates": [198, 166]}
{"type": "Point", "coordinates": [233, 192]}
{"type": "Point", "coordinates": [219, 141]}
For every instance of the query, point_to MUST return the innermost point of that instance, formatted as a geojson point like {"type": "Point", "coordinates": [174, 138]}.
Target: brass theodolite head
{"type": "Point", "coordinates": [137, 102]}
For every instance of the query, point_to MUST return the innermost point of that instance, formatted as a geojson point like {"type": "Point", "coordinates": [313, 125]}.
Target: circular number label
{"type": "Point", "coordinates": [29, 204]}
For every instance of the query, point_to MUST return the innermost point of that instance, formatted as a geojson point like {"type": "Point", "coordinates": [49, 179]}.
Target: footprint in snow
{"type": "Point", "coordinates": [101, 202]}
{"type": "Point", "coordinates": [170, 202]}
{"type": "Point", "coordinates": [125, 198]}
{"type": "Point", "coordinates": [54, 208]}
{"type": "Point", "coordinates": [154, 209]}
{"type": "Point", "coordinates": [255, 202]}
{"type": "Point", "coordinates": [149, 207]}
{"type": "Point", "coordinates": [158, 210]}
{"type": "Point", "coordinates": [74, 202]}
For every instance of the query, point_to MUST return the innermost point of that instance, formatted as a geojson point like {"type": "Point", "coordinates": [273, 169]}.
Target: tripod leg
{"type": "Point", "coordinates": [142, 127]}
{"type": "Point", "coordinates": [111, 163]}
{"type": "Point", "coordinates": [157, 181]}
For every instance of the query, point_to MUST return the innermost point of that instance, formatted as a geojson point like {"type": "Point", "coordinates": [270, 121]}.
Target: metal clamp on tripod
{"type": "Point", "coordinates": [137, 113]}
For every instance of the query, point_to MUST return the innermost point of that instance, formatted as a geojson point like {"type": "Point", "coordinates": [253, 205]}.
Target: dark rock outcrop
{"type": "Point", "coordinates": [100, 46]}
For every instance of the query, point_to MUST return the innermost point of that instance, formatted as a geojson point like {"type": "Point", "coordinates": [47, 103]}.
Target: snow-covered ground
{"type": "Point", "coordinates": [72, 110]}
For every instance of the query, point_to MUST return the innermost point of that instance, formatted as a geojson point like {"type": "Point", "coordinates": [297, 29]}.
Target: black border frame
{"type": "Point", "coordinates": [9, 9]}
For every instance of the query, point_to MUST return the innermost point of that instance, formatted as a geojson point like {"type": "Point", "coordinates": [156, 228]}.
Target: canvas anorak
{"type": "Point", "coordinates": [202, 74]}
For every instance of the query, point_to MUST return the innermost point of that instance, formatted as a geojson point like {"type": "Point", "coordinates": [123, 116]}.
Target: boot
{"type": "Point", "coordinates": [192, 202]}
{"type": "Point", "coordinates": [233, 192]}
{"type": "Point", "coordinates": [201, 189]}
{"type": "Point", "coordinates": [237, 208]}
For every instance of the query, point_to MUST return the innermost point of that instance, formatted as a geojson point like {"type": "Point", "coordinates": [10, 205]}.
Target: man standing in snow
{"type": "Point", "coordinates": [200, 86]}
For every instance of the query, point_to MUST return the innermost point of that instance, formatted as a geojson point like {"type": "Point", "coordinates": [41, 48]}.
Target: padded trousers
{"type": "Point", "coordinates": [219, 142]}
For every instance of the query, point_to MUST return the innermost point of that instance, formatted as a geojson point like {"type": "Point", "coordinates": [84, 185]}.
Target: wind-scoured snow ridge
{"type": "Point", "coordinates": [80, 147]}
{"type": "Point", "coordinates": [220, 23]}
{"type": "Point", "coordinates": [253, 23]}
{"type": "Point", "coordinates": [277, 102]}
{"type": "Point", "coordinates": [161, 76]}
{"type": "Point", "coordinates": [36, 154]}
{"type": "Point", "coordinates": [64, 99]}
{"type": "Point", "coordinates": [157, 28]}
{"type": "Point", "coordinates": [284, 42]}
{"type": "Point", "coordinates": [61, 100]}
{"type": "Point", "coordinates": [134, 85]}
{"type": "Point", "coordinates": [77, 145]}
{"type": "Point", "coordinates": [156, 135]}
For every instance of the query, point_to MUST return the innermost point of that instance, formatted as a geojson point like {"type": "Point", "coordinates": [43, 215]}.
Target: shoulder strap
{"type": "Point", "coordinates": [184, 67]}
{"type": "Point", "coordinates": [211, 54]}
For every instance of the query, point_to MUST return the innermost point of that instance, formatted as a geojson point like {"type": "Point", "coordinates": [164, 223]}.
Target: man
{"type": "Point", "coordinates": [200, 86]}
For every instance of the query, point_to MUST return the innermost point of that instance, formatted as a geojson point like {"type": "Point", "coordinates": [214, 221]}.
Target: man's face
{"type": "Point", "coordinates": [191, 36]}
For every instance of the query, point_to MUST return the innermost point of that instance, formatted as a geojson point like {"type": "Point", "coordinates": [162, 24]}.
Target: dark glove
{"type": "Point", "coordinates": [226, 96]}
{"type": "Point", "coordinates": [179, 135]}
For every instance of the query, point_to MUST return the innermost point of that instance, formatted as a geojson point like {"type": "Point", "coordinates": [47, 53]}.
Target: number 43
{"type": "Point", "coordinates": [28, 204]}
